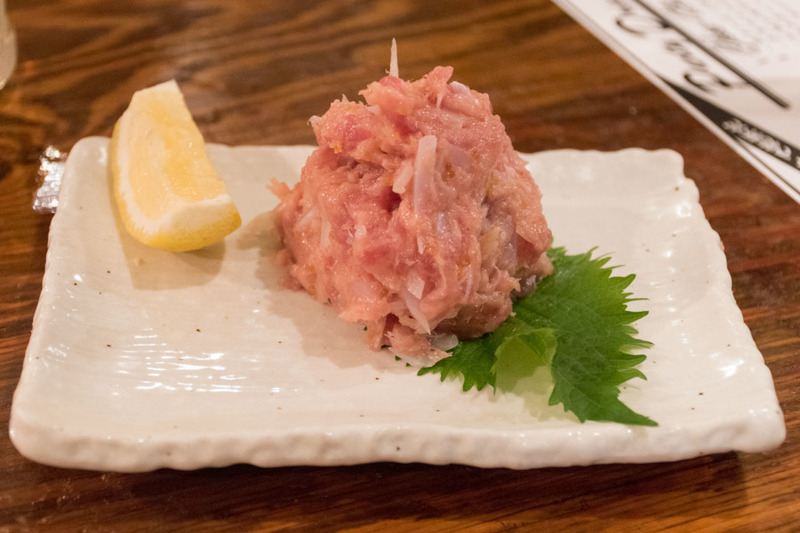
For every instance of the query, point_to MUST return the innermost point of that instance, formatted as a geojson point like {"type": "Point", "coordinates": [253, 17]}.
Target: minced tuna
{"type": "Point", "coordinates": [414, 216]}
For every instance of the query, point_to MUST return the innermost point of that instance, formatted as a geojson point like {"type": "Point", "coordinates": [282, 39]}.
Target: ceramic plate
{"type": "Point", "coordinates": [141, 359]}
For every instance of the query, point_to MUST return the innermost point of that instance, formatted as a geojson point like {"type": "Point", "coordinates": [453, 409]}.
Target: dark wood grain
{"type": "Point", "coordinates": [253, 73]}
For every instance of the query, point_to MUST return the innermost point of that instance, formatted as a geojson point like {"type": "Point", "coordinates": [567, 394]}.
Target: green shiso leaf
{"type": "Point", "coordinates": [578, 324]}
{"type": "Point", "coordinates": [473, 361]}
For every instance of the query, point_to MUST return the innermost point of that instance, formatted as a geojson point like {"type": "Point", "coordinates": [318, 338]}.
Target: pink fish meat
{"type": "Point", "coordinates": [414, 216]}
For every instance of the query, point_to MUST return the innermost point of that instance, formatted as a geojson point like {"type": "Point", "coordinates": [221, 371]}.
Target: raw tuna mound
{"type": "Point", "coordinates": [414, 216]}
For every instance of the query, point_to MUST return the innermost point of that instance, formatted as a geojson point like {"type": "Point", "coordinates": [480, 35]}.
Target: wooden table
{"type": "Point", "coordinates": [253, 73]}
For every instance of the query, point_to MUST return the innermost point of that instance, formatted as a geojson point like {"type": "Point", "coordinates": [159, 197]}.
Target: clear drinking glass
{"type": "Point", "coordinates": [8, 46]}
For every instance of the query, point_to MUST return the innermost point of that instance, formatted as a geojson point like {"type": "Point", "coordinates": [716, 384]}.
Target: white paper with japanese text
{"type": "Point", "coordinates": [733, 64]}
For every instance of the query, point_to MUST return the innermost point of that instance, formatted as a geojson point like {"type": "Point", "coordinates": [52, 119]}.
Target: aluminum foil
{"type": "Point", "coordinates": [51, 172]}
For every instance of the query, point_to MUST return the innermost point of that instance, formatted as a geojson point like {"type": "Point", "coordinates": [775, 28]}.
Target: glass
{"type": "Point", "coordinates": [8, 46]}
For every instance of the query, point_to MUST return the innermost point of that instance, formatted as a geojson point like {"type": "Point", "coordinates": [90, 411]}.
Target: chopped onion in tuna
{"type": "Point", "coordinates": [402, 177]}
{"type": "Point", "coordinates": [308, 217]}
{"type": "Point", "coordinates": [468, 286]}
{"type": "Point", "coordinates": [424, 168]}
{"type": "Point", "coordinates": [360, 231]}
{"type": "Point", "coordinates": [412, 303]}
{"type": "Point", "coordinates": [444, 341]}
{"type": "Point", "coordinates": [325, 232]}
{"type": "Point", "coordinates": [415, 284]}
{"type": "Point", "coordinates": [458, 157]}
{"type": "Point", "coordinates": [459, 87]}
{"type": "Point", "coordinates": [393, 69]}
{"type": "Point", "coordinates": [441, 224]}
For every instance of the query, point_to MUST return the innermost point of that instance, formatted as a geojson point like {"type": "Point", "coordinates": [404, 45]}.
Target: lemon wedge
{"type": "Point", "coordinates": [168, 194]}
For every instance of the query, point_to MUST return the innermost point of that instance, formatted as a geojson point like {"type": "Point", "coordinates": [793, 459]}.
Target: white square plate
{"type": "Point", "coordinates": [141, 359]}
